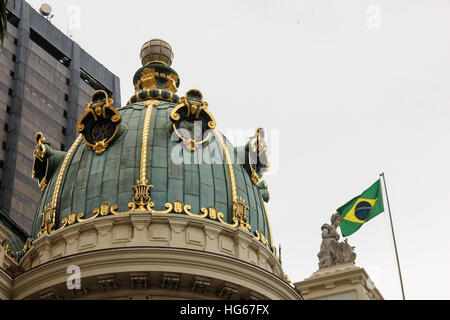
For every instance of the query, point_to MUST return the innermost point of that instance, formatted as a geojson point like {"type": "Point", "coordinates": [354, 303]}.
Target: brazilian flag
{"type": "Point", "coordinates": [361, 209]}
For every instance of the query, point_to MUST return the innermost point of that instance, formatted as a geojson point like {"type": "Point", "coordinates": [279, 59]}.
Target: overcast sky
{"type": "Point", "coordinates": [345, 89]}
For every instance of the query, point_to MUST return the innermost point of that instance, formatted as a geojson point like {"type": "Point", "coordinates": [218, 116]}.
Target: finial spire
{"type": "Point", "coordinates": [156, 80]}
{"type": "Point", "coordinates": [156, 51]}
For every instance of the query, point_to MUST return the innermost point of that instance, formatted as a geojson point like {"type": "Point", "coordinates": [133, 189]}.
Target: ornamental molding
{"type": "Point", "coordinates": [203, 275]}
{"type": "Point", "coordinates": [142, 229]}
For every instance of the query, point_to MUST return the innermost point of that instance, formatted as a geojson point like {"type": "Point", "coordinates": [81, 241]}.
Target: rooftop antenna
{"type": "Point", "coordinates": [46, 11]}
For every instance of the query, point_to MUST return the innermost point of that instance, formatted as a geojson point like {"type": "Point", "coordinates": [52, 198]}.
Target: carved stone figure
{"type": "Point", "coordinates": [332, 252]}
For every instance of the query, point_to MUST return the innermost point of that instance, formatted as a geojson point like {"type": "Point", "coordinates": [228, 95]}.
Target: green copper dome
{"type": "Point", "coordinates": [141, 158]}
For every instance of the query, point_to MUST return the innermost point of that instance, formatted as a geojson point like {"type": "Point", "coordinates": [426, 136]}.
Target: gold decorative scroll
{"type": "Point", "coordinates": [259, 236]}
{"type": "Point", "coordinates": [176, 207]}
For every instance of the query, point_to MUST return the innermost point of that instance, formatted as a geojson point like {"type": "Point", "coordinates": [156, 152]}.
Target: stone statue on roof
{"type": "Point", "coordinates": [332, 252]}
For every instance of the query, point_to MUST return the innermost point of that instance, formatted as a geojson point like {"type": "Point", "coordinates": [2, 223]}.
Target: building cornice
{"type": "Point", "coordinates": [153, 261]}
{"type": "Point", "coordinates": [153, 243]}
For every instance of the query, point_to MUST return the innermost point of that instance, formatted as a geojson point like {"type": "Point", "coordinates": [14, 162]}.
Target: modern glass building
{"type": "Point", "coordinates": [45, 81]}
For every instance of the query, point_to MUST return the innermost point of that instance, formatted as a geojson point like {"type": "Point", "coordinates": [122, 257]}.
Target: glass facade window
{"type": "Point", "coordinates": [43, 105]}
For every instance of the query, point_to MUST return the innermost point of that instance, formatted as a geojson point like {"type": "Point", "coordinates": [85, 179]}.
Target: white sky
{"type": "Point", "coordinates": [347, 102]}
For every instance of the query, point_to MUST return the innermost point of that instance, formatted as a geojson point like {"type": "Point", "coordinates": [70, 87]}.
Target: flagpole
{"type": "Point", "coordinates": [393, 235]}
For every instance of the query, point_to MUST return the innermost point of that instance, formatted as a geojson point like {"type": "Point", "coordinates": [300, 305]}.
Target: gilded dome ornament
{"type": "Point", "coordinates": [142, 196]}
{"type": "Point", "coordinates": [256, 157]}
{"type": "Point", "coordinates": [240, 212]}
{"type": "Point", "coordinates": [100, 122]}
{"type": "Point", "coordinates": [156, 51]}
{"type": "Point", "coordinates": [39, 152]}
{"type": "Point", "coordinates": [150, 78]}
{"type": "Point", "coordinates": [156, 79]}
{"type": "Point", "coordinates": [39, 164]}
{"type": "Point", "coordinates": [192, 120]}
{"type": "Point", "coordinates": [48, 219]}
{"type": "Point", "coordinates": [45, 161]}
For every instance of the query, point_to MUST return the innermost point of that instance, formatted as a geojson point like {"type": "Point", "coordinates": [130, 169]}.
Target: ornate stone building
{"type": "Point", "coordinates": [151, 201]}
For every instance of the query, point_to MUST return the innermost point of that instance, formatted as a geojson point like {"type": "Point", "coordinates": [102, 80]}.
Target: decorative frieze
{"type": "Point", "coordinates": [107, 283]}
{"type": "Point", "coordinates": [79, 293]}
{"type": "Point", "coordinates": [227, 291]}
{"type": "Point", "coordinates": [170, 281]}
{"type": "Point", "coordinates": [200, 285]}
{"type": "Point", "coordinates": [49, 296]}
{"type": "Point", "coordinates": [252, 296]}
{"type": "Point", "coordinates": [139, 281]}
